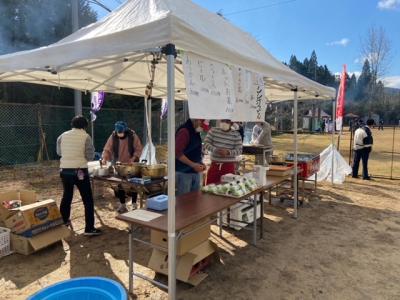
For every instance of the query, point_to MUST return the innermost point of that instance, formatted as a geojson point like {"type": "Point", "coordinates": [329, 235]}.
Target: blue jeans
{"type": "Point", "coordinates": [187, 182]}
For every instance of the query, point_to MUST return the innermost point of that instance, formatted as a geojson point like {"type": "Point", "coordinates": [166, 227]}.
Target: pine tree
{"type": "Point", "coordinates": [312, 66]}
{"type": "Point", "coordinates": [364, 82]}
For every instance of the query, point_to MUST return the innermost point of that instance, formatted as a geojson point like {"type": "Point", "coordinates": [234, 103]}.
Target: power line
{"type": "Point", "coordinates": [259, 7]}
{"type": "Point", "coordinates": [97, 2]}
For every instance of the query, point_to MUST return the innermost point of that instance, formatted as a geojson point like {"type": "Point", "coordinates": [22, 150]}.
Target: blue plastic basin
{"type": "Point", "coordinates": [83, 288]}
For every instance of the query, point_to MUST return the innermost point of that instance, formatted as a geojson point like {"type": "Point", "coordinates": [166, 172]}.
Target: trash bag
{"type": "Point", "coordinates": [149, 154]}
{"type": "Point", "coordinates": [340, 167]}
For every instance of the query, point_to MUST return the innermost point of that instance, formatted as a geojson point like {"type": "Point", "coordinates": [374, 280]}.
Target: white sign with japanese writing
{"type": "Point", "coordinates": [250, 95]}
{"type": "Point", "coordinates": [217, 91]}
{"type": "Point", "coordinates": [209, 87]}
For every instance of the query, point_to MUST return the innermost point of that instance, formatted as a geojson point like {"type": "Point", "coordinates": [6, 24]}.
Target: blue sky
{"type": "Point", "coordinates": [333, 28]}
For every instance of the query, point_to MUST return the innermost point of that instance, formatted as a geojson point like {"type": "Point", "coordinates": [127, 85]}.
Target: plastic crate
{"type": "Point", "coordinates": [5, 248]}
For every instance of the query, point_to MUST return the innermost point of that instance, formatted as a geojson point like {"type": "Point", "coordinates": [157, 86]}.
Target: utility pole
{"type": "Point", "coordinates": [75, 27]}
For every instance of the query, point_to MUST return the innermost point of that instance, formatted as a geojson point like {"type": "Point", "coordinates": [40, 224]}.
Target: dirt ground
{"type": "Point", "coordinates": [344, 245]}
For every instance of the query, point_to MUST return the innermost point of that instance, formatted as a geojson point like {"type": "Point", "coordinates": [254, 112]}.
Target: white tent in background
{"type": "Point", "coordinates": [331, 159]}
{"type": "Point", "coordinates": [114, 55]}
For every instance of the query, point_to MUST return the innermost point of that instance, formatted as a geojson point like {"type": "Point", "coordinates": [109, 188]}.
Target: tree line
{"type": "Point", "coordinates": [365, 95]}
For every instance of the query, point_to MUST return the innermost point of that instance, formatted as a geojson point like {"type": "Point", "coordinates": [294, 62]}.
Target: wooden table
{"type": "Point", "coordinates": [143, 189]}
{"type": "Point", "coordinates": [190, 209]}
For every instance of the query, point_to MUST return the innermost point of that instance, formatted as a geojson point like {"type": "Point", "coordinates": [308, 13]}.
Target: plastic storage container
{"type": "Point", "coordinates": [4, 241]}
{"type": "Point", "coordinates": [158, 202]}
{"type": "Point", "coordinates": [98, 288]}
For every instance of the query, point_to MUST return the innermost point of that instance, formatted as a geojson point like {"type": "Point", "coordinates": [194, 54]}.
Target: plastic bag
{"type": "Point", "coordinates": [149, 154]}
{"type": "Point", "coordinates": [340, 167]}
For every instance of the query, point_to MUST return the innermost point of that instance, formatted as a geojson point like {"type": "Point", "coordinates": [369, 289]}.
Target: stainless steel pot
{"type": "Point", "coordinates": [154, 171]}
{"type": "Point", "coordinates": [129, 170]}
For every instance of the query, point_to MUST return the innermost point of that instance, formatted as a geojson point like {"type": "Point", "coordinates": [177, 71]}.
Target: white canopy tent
{"type": "Point", "coordinates": [115, 54]}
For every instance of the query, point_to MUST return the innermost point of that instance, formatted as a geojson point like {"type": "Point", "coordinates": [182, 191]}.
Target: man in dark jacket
{"type": "Point", "coordinates": [363, 142]}
{"type": "Point", "coordinates": [188, 156]}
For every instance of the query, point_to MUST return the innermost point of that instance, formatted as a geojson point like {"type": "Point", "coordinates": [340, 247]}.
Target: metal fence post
{"type": "Point", "coordinates": [391, 167]}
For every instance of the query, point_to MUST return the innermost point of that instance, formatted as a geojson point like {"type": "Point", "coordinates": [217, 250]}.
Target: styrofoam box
{"type": "Point", "coordinates": [241, 211]}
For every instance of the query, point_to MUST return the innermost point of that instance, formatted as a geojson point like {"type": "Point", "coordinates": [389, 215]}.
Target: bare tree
{"type": "Point", "coordinates": [376, 47]}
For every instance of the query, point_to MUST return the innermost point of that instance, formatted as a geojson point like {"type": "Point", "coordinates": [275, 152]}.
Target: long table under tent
{"type": "Point", "coordinates": [116, 54]}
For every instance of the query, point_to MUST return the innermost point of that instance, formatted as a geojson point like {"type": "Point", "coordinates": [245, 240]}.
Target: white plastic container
{"type": "Point", "coordinates": [260, 174]}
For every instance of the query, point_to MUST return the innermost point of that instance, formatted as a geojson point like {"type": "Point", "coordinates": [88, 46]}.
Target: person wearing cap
{"type": "Point", "coordinates": [363, 141]}
{"type": "Point", "coordinates": [188, 156]}
{"type": "Point", "coordinates": [122, 146]}
{"type": "Point", "coordinates": [261, 135]}
{"type": "Point", "coordinates": [75, 147]}
{"type": "Point", "coordinates": [224, 145]}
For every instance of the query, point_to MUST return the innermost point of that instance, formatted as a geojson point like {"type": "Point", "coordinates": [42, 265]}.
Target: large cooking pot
{"type": "Point", "coordinates": [129, 170]}
{"type": "Point", "coordinates": [154, 171]}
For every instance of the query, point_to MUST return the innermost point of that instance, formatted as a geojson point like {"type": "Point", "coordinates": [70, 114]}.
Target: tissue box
{"type": "Point", "coordinates": [158, 202]}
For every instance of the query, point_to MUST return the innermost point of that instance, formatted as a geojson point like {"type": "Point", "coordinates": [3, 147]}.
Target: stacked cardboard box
{"type": "Point", "coordinates": [34, 225]}
{"type": "Point", "coordinates": [194, 251]}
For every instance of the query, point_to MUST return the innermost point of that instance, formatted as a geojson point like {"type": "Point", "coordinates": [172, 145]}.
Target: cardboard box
{"type": "Point", "coordinates": [28, 246]}
{"type": "Point", "coordinates": [32, 219]}
{"type": "Point", "coordinates": [188, 241]}
{"type": "Point", "coordinates": [26, 197]}
{"type": "Point", "coordinates": [184, 264]}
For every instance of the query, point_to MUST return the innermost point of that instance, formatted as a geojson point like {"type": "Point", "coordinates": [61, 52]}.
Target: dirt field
{"type": "Point", "coordinates": [345, 245]}
{"type": "Point", "coordinates": [380, 163]}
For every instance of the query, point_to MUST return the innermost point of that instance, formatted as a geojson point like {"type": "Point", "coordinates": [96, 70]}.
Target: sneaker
{"type": "Point", "coordinates": [122, 208]}
{"type": "Point", "coordinates": [355, 176]}
{"type": "Point", "coordinates": [367, 178]}
{"type": "Point", "coordinates": [69, 225]}
{"type": "Point", "coordinates": [134, 206]}
{"type": "Point", "coordinates": [93, 232]}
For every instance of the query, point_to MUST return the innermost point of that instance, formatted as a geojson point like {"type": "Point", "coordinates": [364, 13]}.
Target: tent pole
{"type": "Point", "coordinates": [92, 129]}
{"type": "Point", "coordinates": [295, 183]}
{"type": "Point", "coordinates": [333, 138]}
{"type": "Point", "coordinates": [169, 50]}
{"type": "Point", "coordinates": [149, 112]}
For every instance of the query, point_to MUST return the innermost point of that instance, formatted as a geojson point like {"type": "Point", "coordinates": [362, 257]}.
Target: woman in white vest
{"type": "Point", "coordinates": [76, 148]}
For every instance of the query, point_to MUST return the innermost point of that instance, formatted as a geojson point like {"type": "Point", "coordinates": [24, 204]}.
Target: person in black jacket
{"type": "Point", "coordinates": [363, 142]}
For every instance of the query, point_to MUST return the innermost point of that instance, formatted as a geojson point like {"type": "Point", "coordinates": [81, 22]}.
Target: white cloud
{"type": "Point", "coordinates": [392, 81]}
{"type": "Point", "coordinates": [343, 42]}
{"type": "Point", "coordinates": [388, 4]}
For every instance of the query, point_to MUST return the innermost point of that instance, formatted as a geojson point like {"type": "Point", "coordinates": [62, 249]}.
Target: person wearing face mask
{"type": "Point", "coordinates": [188, 156]}
{"type": "Point", "coordinates": [224, 146]}
{"type": "Point", "coordinates": [123, 146]}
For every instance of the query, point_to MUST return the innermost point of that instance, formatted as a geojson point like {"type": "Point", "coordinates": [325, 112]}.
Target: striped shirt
{"type": "Point", "coordinates": [219, 139]}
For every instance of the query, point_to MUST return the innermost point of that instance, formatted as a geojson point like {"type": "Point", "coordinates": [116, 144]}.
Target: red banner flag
{"type": "Point", "coordinates": [341, 99]}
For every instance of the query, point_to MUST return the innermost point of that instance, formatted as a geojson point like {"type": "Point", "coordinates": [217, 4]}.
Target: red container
{"type": "Point", "coordinates": [308, 163]}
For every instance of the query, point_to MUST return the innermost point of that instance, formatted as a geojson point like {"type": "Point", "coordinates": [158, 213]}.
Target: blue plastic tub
{"type": "Point", "coordinates": [158, 202]}
{"type": "Point", "coordinates": [83, 288]}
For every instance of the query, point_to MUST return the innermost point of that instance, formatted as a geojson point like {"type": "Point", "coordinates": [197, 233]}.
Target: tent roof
{"type": "Point", "coordinates": [323, 114]}
{"type": "Point", "coordinates": [114, 54]}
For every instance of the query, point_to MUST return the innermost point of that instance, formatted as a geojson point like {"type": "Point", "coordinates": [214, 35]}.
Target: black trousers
{"type": "Point", "coordinates": [121, 194]}
{"type": "Point", "coordinates": [69, 179]}
{"type": "Point", "coordinates": [363, 155]}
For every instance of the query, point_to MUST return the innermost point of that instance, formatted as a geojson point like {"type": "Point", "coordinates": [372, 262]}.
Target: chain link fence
{"type": "Point", "coordinates": [28, 132]}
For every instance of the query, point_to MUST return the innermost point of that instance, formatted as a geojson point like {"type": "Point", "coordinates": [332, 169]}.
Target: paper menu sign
{"type": "Point", "coordinates": [142, 215]}
{"type": "Point", "coordinates": [250, 95]}
{"type": "Point", "coordinates": [209, 87]}
{"type": "Point", "coordinates": [217, 91]}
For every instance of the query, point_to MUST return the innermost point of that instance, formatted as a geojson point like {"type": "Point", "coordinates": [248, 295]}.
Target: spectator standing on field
{"type": "Point", "coordinates": [363, 142]}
